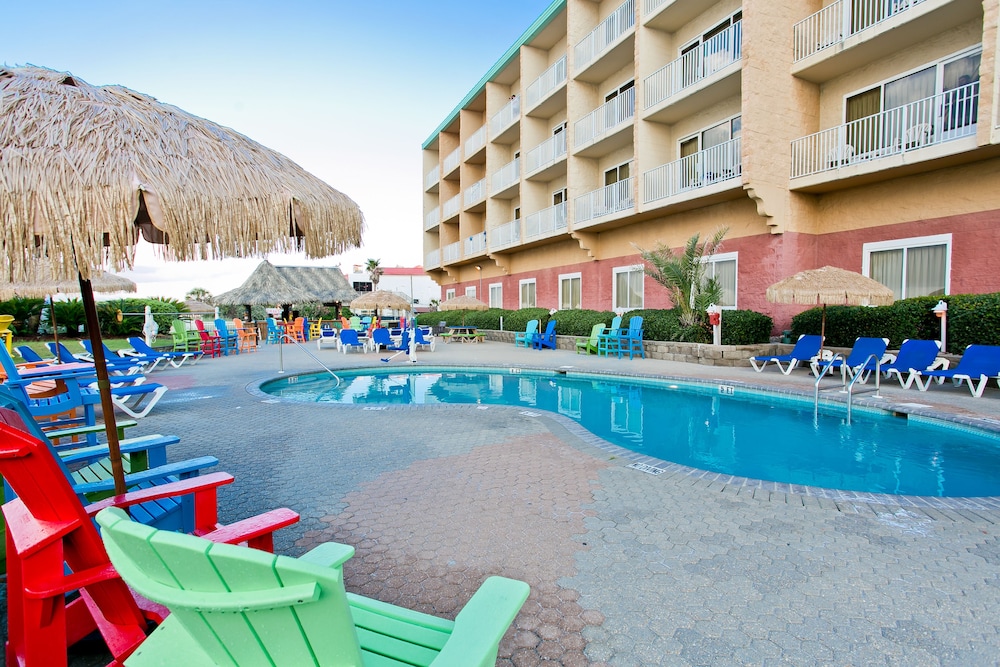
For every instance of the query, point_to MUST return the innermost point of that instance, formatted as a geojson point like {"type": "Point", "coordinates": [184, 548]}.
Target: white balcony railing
{"type": "Point", "coordinates": [475, 193]}
{"type": "Point", "coordinates": [451, 207]}
{"type": "Point", "coordinates": [432, 218]}
{"type": "Point", "coordinates": [506, 176]}
{"type": "Point", "coordinates": [433, 258]}
{"type": "Point", "coordinates": [545, 153]}
{"type": "Point", "coordinates": [605, 118]}
{"type": "Point", "coordinates": [838, 21]}
{"type": "Point", "coordinates": [944, 117]}
{"type": "Point", "coordinates": [712, 165]}
{"type": "Point", "coordinates": [505, 235]}
{"type": "Point", "coordinates": [451, 252]}
{"type": "Point", "coordinates": [610, 199]}
{"type": "Point", "coordinates": [696, 65]}
{"type": "Point", "coordinates": [475, 244]}
{"type": "Point", "coordinates": [549, 80]}
{"type": "Point", "coordinates": [432, 177]}
{"type": "Point", "coordinates": [545, 222]}
{"type": "Point", "coordinates": [475, 141]}
{"type": "Point", "coordinates": [451, 160]}
{"type": "Point", "coordinates": [607, 33]}
{"type": "Point", "coordinates": [504, 118]}
{"type": "Point", "coordinates": [651, 6]}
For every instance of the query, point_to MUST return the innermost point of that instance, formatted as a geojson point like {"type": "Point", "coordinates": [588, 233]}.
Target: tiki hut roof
{"type": "Point", "coordinates": [82, 167]}
{"type": "Point", "coordinates": [271, 285]}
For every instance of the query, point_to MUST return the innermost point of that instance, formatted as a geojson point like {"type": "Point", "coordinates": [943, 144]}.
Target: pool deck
{"type": "Point", "coordinates": [626, 567]}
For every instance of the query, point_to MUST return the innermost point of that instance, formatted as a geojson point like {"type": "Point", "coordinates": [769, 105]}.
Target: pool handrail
{"type": "Point", "coordinates": [291, 339]}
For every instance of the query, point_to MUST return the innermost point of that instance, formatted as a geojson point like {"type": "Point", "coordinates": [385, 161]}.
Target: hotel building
{"type": "Point", "coordinates": [862, 134]}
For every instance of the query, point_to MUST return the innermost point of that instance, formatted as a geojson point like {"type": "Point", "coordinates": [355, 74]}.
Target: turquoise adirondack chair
{"type": "Point", "coordinates": [589, 345]}
{"type": "Point", "coordinates": [610, 340]}
{"type": "Point", "coordinates": [234, 606]}
{"type": "Point", "coordinates": [525, 338]}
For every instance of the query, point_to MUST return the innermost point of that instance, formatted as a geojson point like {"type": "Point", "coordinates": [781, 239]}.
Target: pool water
{"type": "Point", "coordinates": [748, 434]}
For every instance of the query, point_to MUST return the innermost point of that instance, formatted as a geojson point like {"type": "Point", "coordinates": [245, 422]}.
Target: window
{"type": "Point", "coordinates": [569, 291]}
{"type": "Point", "coordinates": [710, 165]}
{"type": "Point", "coordinates": [628, 288]}
{"type": "Point", "coordinates": [617, 189]}
{"type": "Point", "coordinates": [471, 291]}
{"type": "Point", "coordinates": [362, 286]}
{"type": "Point", "coordinates": [558, 197]}
{"type": "Point", "coordinates": [527, 293]}
{"type": "Point", "coordinates": [711, 51]}
{"type": "Point", "coordinates": [496, 295]}
{"type": "Point", "coordinates": [449, 294]}
{"type": "Point", "coordinates": [722, 267]}
{"type": "Point", "coordinates": [911, 267]}
{"type": "Point", "coordinates": [623, 106]}
{"type": "Point", "coordinates": [619, 90]}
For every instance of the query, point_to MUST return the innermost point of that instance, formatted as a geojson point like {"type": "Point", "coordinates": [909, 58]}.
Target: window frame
{"type": "Point", "coordinates": [449, 294]}
{"type": "Point", "coordinates": [726, 257]}
{"type": "Point", "coordinates": [906, 244]}
{"type": "Point", "coordinates": [615, 271]}
{"type": "Point", "coordinates": [521, 284]}
{"type": "Point", "coordinates": [470, 290]}
{"type": "Point", "coordinates": [563, 277]}
{"type": "Point", "coordinates": [498, 288]}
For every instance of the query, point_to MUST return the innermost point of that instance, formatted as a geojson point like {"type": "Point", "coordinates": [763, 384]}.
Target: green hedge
{"type": "Point", "coordinates": [741, 327]}
{"type": "Point", "coordinates": [972, 318]}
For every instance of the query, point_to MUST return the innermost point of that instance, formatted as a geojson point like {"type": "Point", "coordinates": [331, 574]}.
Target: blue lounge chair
{"type": "Point", "coordinates": [977, 366]}
{"type": "Point", "coordinates": [175, 359]}
{"type": "Point", "coordinates": [349, 341]}
{"type": "Point", "coordinates": [914, 355]}
{"type": "Point", "coordinates": [630, 340]}
{"type": "Point", "coordinates": [116, 365]}
{"type": "Point", "coordinates": [129, 365]}
{"type": "Point", "coordinates": [547, 339]}
{"type": "Point", "coordinates": [609, 340]}
{"type": "Point", "coordinates": [524, 338]}
{"type": "Point", "coordinates": [805, 350]}
{"type": "Point", "coordinates": [30, 356]}
{"type": "Point", "coordinates": [380, 338]}
{"type": "Point", "coordinates": [423, 340]}
{"type": "Point", "coordinates": [864, 358]}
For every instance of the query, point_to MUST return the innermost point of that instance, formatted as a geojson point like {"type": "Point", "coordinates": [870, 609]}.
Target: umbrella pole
{"type": "Point", "coordinates": [822, 333]}
{"type": "Point", "coordinates": [55, 328]}
{"type": "Point", "coordinates": [103, 385]}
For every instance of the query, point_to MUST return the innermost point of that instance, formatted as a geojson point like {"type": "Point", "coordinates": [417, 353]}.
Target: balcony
{"type": "Point", "coordinates": [541, 89]}
{"type": "Point", "coordinates": [432, 260]}
{"type": "Point", "coordinates": [547, 160]}
{"type": "Point", "coordinates": [505, 236]}
{"type": "Point", "coordinates": [475, 194]}
{"type": "Point", "coordinates": [432, 219]}
{"type": "Point", "coordinates": [432, 178]}
{"type": "Point", "coordinates": [451, 162]}
{"type": "Point", "coordinates": [545, 223]}
{"type": "Point", "coordinates": [600, 132]}
{"type": "Point", "coordinates": [475, 245]}
{"type": "Point", "coordinates": [697, 80]}
{"type": "Point", "coordinates": [604, 202]}
{"type": "Point", "coordinates": [693, 175]}
{"type": "Point", "coordinates": [451, 208]}
{"type": "Point", "coordinates": [850, 34]}
{"type": "Point", "coordinates": [505, 180]}
{"type": "Point", "coordinates": [606, 50]}
{"type": "Point", "coordinates": [505, 120]}
{"type": "Point", "coordinates": [670, 15]}
{"type": "Point", "coordinates": [451, 252]}
{"type": "Point", "coordinates": [475, 143]}
{"type": "Point", "coordinates": [927, 129]}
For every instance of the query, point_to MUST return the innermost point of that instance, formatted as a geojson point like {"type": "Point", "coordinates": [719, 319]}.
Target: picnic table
{"type": "Point", "coordinates": [463, 334]}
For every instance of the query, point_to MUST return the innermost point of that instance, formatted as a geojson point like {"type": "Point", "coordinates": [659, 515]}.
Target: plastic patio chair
{"type": "Point", "coordinates": [865, 357]}
{"type": "Point", "coordinates": [630, 340]}
{"type": "Point", "coordinates": [589, 345]}
{"type": "Point", "coordinates": [546, 339]}
{"type": "Point", "coordinates": [524, 338]}
{"type": "Point", "coordinates": [806, 349]}
{"type": "Point", "coordinates": [247, 336]}
{"type": "Point", "coordinates": [608, 341]}
{"type": "Point", "coordinates": [978, 365]}
{"type": "Point", "coordinates": [914, 355]}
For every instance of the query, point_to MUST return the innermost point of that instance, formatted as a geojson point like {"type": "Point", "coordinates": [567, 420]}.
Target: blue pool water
{"type": "Point", "coordinates": [748, 434]}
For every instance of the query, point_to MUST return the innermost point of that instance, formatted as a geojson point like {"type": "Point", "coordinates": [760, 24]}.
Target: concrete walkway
{"type": "Point", "coordinates": [626, 568]}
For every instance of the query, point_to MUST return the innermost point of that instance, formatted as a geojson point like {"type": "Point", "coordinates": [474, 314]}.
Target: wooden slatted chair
{"type": "Point", "coordinates": [234, 606]}
{"type": "Point", "coordinates": [53, 548]}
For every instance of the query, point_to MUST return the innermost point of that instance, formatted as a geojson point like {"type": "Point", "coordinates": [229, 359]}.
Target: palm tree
{"type": "Point", "coordinates": [199, 294]}
{"type": "Point", "coordinates": [684, 275]}
{"type": "Point", "coordinates": [375, 271]}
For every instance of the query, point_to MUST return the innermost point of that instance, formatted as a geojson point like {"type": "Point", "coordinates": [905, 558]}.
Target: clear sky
{"type": "Point", "coordinates": [349, 90]}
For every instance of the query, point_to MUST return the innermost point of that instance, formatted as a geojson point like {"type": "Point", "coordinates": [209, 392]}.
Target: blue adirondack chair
{"type": "Point", "coordinates": [978, 365]}
{"type": "Point", "coordinates": [547, 339]}
{"type": "Point", "coordinates": [610, 339]}
{"type": "Point", "coordinates": [630, 340]}
{"type": "Point", "coordinates": [229, 340]}
{"type": "Point", "coordinates": [234, 606]}
{"type": "Point", "coordinates": [524, 338]}
{"type": "Point", "coordinates": [273, 331]}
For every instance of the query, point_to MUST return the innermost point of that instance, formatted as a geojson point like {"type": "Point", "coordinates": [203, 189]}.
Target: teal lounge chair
{"type": "Point", "coordinates": [235, 606]}
{"type": "Point", "coordinates": [589, 345]}
{"type": "Point", "coordinates": [524, 338]}
{"type": "Point", "coordinates": [977, 367]}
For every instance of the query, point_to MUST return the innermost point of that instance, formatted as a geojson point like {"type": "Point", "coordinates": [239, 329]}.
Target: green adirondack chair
{"type": "Point", "coordinates": [235, 606]}
{"type": "Point", "coordinates": [185, 339]}
{"type": "Point", "coordinates": [589, 345]}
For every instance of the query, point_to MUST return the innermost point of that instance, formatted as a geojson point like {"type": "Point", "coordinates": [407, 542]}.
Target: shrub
{"type": "Point", "coordinates": [745, 327]}
{"type": "Point", "coordinates": [26, 313]}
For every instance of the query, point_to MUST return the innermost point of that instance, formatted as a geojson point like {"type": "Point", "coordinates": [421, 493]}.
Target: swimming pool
{"type": "Point", "coordinates": [723, 428]}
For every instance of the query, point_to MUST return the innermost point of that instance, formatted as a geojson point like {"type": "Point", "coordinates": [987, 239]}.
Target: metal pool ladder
{"type": "Point", "coordinates": [281, 356]}
{"type": "Point", "coordinates": [848, 386]}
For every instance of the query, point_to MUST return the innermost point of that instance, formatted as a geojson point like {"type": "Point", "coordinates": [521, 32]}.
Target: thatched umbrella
{"type": "Point", "coordinates": [380, 299]}
{"type": "Point", "coordinates": [830, 285]}
{"type": "Point", "coordinates": [84, 169]}
{"type": "Point", "coordinates": [44, 284]}
{"type": "Point", "coordinates": [463, 302]}
{"type": "Point", "coordinates": [271, 285]}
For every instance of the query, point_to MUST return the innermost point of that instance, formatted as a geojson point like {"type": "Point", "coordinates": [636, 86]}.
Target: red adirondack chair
{"type": "Point", "coordinates": [54, 548]}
